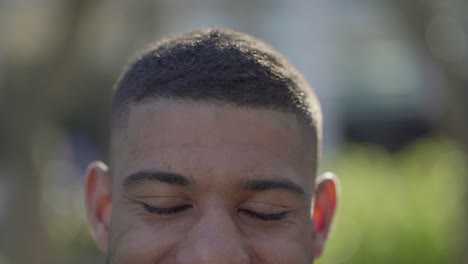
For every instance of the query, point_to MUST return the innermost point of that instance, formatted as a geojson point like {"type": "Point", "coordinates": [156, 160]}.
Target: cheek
{"type": "Point", "coordinates": [294, 246]}
{"type": "Point", "coordinates": [141, 243]}
{"type": "Point", "coordinates": [135, 246]}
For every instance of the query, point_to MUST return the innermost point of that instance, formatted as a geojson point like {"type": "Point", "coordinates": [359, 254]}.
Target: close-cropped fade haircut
{"type": "Point", "coordinates": [217, 66]}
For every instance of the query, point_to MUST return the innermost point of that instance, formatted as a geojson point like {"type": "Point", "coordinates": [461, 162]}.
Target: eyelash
{"type": "Point", "coordinates": [178, 209]}
{"type": "Point", "coordinates": [166, 211]}
{"type": "Point", "coordinates": [264, 217]}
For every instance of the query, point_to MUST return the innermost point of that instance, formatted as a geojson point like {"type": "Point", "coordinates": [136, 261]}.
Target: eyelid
{"type": "Point", "coordinates": [269, 204]}
{"type": "Point", "coordinates": [159, 197]}
{"type": "Point", "coordinates": [265, 217]}
{"type": "Point", "coordinates": [264, 207]}
{"type": "Point", "coordinates": [167, 204]}
{"type": "Point", "coordinates": [165, 210]}
{"type": "Point", "coordinates": [265, 211]}
{"type": "Point", "coordinates": [160, 201]}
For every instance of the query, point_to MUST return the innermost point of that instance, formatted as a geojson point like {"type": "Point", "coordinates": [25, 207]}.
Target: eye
{"type": "Point", "coordinates": [167, 210]}
{"type": "Point", "coordinates": [264, 217]}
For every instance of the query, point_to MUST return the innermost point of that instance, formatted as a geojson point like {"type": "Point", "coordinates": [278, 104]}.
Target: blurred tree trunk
{"type": "Point", "coordinates": [25, 106]}
{"type": "Point", "coordinates": [453, 119]}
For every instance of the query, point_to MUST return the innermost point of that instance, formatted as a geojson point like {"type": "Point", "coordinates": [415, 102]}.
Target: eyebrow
{"type": "Point", "coordinates": [141, 177]}
{"type": "Point", "coordinates": [265, 185]}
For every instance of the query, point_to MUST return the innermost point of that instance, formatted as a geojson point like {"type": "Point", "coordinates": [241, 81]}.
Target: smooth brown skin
{"type": "Point", "coordinates": [218, 149]}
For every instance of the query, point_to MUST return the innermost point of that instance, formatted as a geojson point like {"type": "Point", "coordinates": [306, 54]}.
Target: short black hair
{"type": "Point", "coordinates": [220, 66]}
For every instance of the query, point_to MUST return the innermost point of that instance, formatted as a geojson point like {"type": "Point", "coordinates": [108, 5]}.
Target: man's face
{"type": "Point", "coordinates": [206, 183]}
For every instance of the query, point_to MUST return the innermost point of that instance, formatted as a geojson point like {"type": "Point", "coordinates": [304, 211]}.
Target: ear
{"type": "Point", "coordinates": [99, 202]}
{"type": "Point", "coordinates": [326, 196]}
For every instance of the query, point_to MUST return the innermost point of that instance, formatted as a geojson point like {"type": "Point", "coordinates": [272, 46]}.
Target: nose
{"type": "Point", "coordinates": [214, 239]}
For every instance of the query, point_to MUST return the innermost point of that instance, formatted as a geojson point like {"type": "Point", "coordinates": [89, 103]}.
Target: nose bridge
{"type": "Point", "coordinates": [214, 238]}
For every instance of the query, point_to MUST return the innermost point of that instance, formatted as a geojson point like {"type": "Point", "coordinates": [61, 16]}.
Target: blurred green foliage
{"type": "Point", "coordinates": [399, 208]}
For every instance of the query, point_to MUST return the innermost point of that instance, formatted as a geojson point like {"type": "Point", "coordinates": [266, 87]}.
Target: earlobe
{"type": "Point", "coordinates": [99, 202]}
{"type": "Point", "coordinates": [326, 196]}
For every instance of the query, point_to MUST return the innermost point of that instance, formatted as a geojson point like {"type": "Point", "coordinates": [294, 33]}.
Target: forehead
{"type": "Point", "coordinates": [207, 138]}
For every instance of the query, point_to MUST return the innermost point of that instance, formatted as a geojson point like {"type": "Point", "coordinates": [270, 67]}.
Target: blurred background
{"type": "Point", "coordinates": [392, 76]}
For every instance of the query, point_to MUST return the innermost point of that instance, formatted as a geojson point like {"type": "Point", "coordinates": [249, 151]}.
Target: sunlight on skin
{"type": "Point", "coordinates": [184, 173]}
